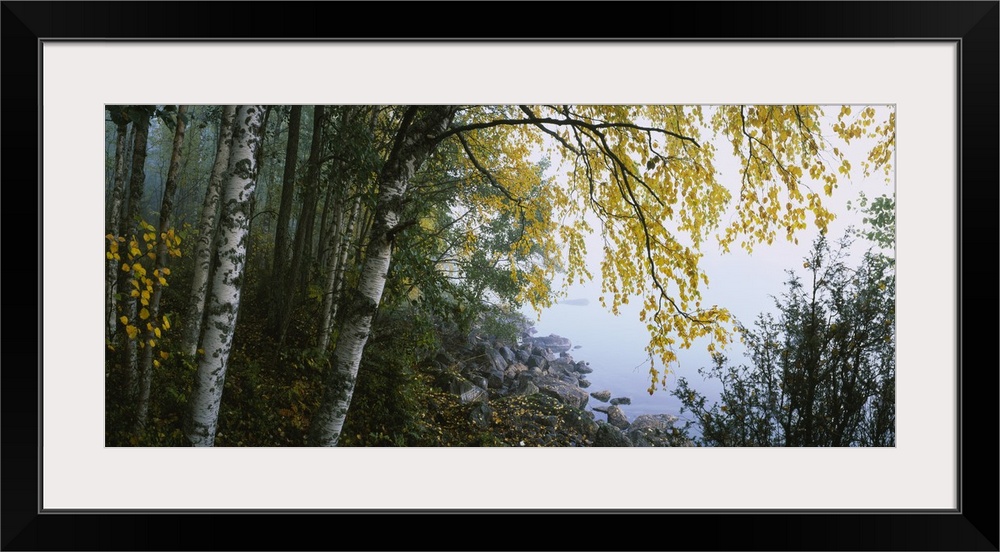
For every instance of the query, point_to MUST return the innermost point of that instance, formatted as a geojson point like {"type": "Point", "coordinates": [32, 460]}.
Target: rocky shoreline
{"type": "Point", "coordinates": [487, 368]}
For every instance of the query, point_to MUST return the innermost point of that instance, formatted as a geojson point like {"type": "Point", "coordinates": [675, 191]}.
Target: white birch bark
{"type": "Point", "coordinates": [335, 271]}
{"type": "Point", "coordinates": [414, 142]}
{"type": "Point", "coordinates": [137, 182]}
{"type": "Point", "coordinates": [222, 306]}
{"type": "Point", "coordinates": [206, 235]}
{"type": "Point", "coordinates": [113, 229]}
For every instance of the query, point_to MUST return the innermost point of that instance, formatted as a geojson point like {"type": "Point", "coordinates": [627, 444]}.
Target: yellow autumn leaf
{"type": "Point", "coordinates": [144, 314]}
{"type": "Point", "coordinates": [166, 323]}
{"type": "Point", "coordinates": [125, 267]}
{"type": "Point", "coordinates": [156, 331]}
{"type": "Point", "coordinates": [164, 355]}
{"type": "Point", "coordinates": [124, 320]}
{"type": "Point", "coordinates": [132, 331]}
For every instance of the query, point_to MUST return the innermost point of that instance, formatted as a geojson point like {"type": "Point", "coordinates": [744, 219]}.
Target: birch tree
{"type": "Point", "coordinates": [206, 235]}
{"type": "Point", "coordinates": [223, 302]}
{"type": "Point", "coordinates": [112, 228]}
{"type": "Point", "coordinates": [414, 141]}
{"type": "Point", "coordinates": [127, 277]}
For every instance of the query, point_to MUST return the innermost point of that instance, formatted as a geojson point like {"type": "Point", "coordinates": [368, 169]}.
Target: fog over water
{"type": "Point", "coordinates": [743, 283]}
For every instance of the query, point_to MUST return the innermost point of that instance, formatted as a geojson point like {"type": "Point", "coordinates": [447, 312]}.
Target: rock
{"type": "Point", "coordinates": [525, 386]}
{"type": "Point", "coordinates": [583, 383]}
{"type": "Point", "coordinates": [553, 342]}
{"type": "Point", "coordinates": [496, 359]}
{"type": "Point", "coordinates": [537, 361]}
{"type": "Point", "coordinates": [564, 372]}
{"type": "Point", "coordinates": [621, 400]}
{"type": "Point", "coordinates": [467, 391]}
{"type": "Point", "coordinates": [610, 436]}
{"type": "Point", "coordinates": [583, 367]}
{"type": "Point", "coordinates": [617, 418]}
{"type": "Point", "coordinates": [481, 415]}
{"type": "Point", "coordinates": [514, 369]}
{"type": "Point", "coordinates": [602, 395]}
{"type": "Point", "coordinates": [566, 393]}
{"type": "Point", "coordinates": [522, 355]}
{"type": "Point", "coordinates": [507, 354]}
{"type": "Point", "coordinates": [479, 381]}
{"type": "Point", "coordinates": [601, 409]}
{"type": "Point", "coordinates": [656, 430]}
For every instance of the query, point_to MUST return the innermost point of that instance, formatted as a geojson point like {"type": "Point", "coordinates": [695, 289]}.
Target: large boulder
{"type": "Point", "coordinates": [621, 400]}
{"type": "Point", "coordinates": [566, 393]}
{"type": "Point", "coordinates": [525, 386]}
{"type": "Point", "coordinates": [467, 391]}
{"type": "Point", "coordinates": [508, 354]}
{"type": "Point", "coordinates": [610, 436]}
{"type": "Point", "coordinates": [603, 395]}
{"type": "Point", "coordinates": [617, 418]}
{"type": "Point", "coordinates": [656, 430]}
{"type": "Point", "coordinates": [537, 361]}
{"type": "Point", "coordinates": [496, 359]}
{"type": "Point", "coordinates": [553, 342]}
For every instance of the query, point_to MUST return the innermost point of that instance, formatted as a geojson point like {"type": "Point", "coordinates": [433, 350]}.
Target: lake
{"type": "Point", "coordinates": [615, 348]}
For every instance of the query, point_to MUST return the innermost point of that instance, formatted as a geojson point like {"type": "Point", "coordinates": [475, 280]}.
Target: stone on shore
{"type": "Point", "coordinates": [603, 395]}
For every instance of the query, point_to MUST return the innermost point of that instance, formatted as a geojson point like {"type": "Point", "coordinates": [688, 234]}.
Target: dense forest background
{"type": "Point", "coordinates": [287, 275]}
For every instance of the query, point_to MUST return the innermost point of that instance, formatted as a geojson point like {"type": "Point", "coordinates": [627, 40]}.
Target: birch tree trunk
{"type": "Point", "coordinates": [341, 238]}
{"type": "Point", "coordinates": [223, 302]}
{"type": "Point", "coordinates": [414, 142]}
{"type": "Point", "coordinates": [154, 324]}
{"type": "Point", "coordinates": [137, 182]}
{"type": "Point", "coordinates": [113, 229]}
{"type": "Point", "coordinates": [206, 235]}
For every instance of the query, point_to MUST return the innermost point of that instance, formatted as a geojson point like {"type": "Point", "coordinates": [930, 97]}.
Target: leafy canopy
{"type": "Point", "coordinates": [648, 174]}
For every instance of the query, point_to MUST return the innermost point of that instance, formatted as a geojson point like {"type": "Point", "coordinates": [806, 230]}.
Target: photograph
{"type": "Point", "coordinates": [500, 275]}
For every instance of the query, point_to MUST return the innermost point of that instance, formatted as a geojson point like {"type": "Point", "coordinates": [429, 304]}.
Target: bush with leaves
{"type": "Point", "coordinates": [822, 371]}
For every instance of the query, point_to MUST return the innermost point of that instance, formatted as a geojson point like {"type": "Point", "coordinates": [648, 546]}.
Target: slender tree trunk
{"type": "Point", "coordinates": [335, 271]}
{"type": "Point", "coordinates": [154, 325]}
{"type": "Point", "coordinates": [227, 280]}
{"type": "Point", "coordinates": [128, 280]}
{"type": "Point", "coordinates": [206, 235]}
{"type": "Point", "coordinates": [297, 275]}
{"type": "Point", "coordinates": [281, 246]}
{"type": "Point", "coordinates": [414, 143]}
{"type": "Point", "coordinates": [113, 229]}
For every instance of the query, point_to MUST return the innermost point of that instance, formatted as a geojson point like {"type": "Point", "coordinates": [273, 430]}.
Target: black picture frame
{"type": "Point", "coordinates": [973, 525]}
